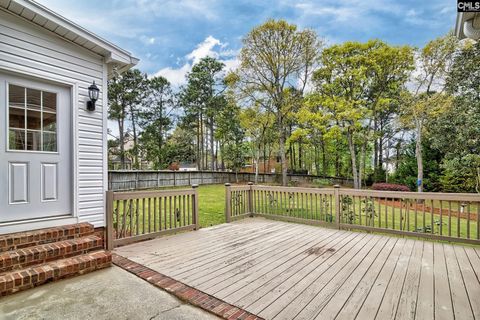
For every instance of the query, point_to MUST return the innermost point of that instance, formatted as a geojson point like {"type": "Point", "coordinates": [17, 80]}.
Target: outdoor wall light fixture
{"type": "Point", "coordinates": [93, 92]}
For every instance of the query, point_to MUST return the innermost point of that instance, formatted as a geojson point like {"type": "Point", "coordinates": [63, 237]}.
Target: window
{"type": "Point", "coordinates": [32, 119]}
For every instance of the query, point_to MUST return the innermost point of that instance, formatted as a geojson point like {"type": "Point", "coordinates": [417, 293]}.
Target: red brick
{"type": "Point", "coordinates": [236, 315]}
{"type": "Point", "coordinates": [183, 291]}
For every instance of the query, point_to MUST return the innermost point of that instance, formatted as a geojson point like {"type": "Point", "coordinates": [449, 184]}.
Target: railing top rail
{"type": "Point", "coordinates": [468, 197]}
{"type": "Point", "coordinates": [239, 188]}
{"type": "Point", "coordinates": [295, 189]}
{"type": "Point", "coordinates": [121, 195]}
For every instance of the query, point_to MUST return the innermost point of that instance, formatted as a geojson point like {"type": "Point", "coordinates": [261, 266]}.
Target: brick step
{"type": "Point", "coordinates": [22, 258]}
{"type": "Point", "coordinates": [30, 277]}
{"type": "Point", "coordinates": [32, 238]}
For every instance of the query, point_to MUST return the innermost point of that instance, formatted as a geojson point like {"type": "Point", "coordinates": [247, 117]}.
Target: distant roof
{"type": "Point", "coordinates": [52, 21]}
{"type": "Point", "coordinates": [187, 165]}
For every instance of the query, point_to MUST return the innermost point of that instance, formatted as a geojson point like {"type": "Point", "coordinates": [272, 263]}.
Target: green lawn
{"type": "Point", "coordinates": [211, 202]}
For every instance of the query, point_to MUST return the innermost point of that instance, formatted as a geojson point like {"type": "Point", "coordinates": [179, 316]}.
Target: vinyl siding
{"type": "Point", "coordinates": [31, 50]}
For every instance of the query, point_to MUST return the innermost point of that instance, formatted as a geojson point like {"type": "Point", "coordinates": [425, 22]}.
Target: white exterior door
{"type": "Point", "coordinates": [35, 150]}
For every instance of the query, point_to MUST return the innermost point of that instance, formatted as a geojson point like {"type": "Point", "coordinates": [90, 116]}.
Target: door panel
{"type": "Point", "coordinates": [18, 182]}
{"type": "Point", "coordinates": [35, 149]}
{"type": "Point", "coordinates": [49, 181]}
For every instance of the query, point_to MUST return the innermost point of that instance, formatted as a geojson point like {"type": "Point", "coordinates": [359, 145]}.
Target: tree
{"type": "Point", "coordinates": [357, 85]}
{"type": "Point", "coordinates": [180, 147]}
{"type": "Point", "coordinates": [455, 132]}
{"type": "Point", "coordinates": [118, 101]}
{"type": "Point", "coordinates": [202, 98]}
{"type": "Point", "coordinates": [231, 135]}
{"type": "Point", "coordinates": [428, 100]}
{"type": "Point", "coordinates": [256, 123]}
{"type": "Point", "coordinates": [156, 120]}
{"type": "Point", "coordinates": [135, 91]}
{"type": "Point", "coordinates": [276, 56]}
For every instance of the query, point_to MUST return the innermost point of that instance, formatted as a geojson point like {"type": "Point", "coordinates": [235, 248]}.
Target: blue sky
{"type": "Point", "coordinates": [170, 35]}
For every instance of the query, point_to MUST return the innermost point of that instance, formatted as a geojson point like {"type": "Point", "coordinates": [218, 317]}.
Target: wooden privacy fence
{"type": "Point", "coordinates": [123, 180]}
{"type": "Point", "coordinates": [141, 215]}
{"type": "Point", "coordinates": [439, 216]}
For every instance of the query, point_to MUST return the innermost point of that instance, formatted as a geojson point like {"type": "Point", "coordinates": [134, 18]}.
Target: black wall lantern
{"type": "Point", "coordinates": [93, 92]}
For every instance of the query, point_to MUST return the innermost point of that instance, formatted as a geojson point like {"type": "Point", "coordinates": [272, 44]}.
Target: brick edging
{"type": "Point", "coordinates": [184, 292]}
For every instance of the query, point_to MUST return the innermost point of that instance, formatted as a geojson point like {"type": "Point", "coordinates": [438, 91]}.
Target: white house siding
{"type": "Point", "coordinates": [28, 49]}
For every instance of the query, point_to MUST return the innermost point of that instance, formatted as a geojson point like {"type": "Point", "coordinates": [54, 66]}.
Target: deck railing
{"type": "Point", "coordinates": [439, 216]}
{"type": "Point", "coordinates": [141, 215]}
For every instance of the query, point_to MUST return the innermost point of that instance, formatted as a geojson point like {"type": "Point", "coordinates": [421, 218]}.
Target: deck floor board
{"type": "Point", "coordinates": [281, 270]}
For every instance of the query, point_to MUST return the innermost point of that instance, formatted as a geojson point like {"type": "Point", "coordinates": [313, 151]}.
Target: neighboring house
{"type": "Point", "coordinates": [468, 25]}
{"type": "Point", "coordinates": [53, 150]}
{"type": "Point", "coordinates": [269, 165]}
{"type": "Point", "coordinates": [115, 162]}
{"type": "Point", "coordinates": [187, 166]}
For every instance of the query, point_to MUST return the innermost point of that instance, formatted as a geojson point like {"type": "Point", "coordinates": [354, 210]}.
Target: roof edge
{"type": "Point", "coordinates": [116, 54]}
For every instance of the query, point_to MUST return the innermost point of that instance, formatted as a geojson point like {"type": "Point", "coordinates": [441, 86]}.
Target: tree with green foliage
{"type": "Point", "coordinates": [256, 123]}
{"type": "Point", "coordinates": [406, 172]}
{"type": "Point", "coordinates": [156, 120]}
{"type": "Point", "coordinates": [276, 56]}
{"type": "Point", "coordinates": [428, 100]}
{"type": "Point", "coordinates": [125, 93]}
{"type": "Point", "coordinates": [231, 135]}
{"type": "Point", "coordinates": [201, 99]}
{"type": "Point", "coordinates": [136, 91]}
{"type": "Point", "coordinates": [356, 86]}
{"type": "Point", "coordinates": [179, 146]}
{"type": "Point", "coordinates": [455, 132]}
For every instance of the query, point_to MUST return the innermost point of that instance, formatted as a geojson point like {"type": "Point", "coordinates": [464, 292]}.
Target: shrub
{"type": "Point", "coordinates": [390, 187]}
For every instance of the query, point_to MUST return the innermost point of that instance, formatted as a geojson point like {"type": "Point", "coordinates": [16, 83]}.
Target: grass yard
{"type": "Point", "coordinates": [211, 202]}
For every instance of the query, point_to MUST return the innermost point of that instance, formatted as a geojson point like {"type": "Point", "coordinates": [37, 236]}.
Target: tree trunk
{"type": "Point", "coordinates": [257, 162]}
{"type": "Point", "coordinates": [324, 158]}
{"type": "Point", "coordinates": [264, 158]}
{"type": "Point", "coordinates": [353, 157]}
{"type": "Point", "coordinates": [281, 145]}
{"type": "Point", "coordinates": [212, 144]}
{"type": "Point", "coordinates": [121, 141]}
{"type": "Point", "coordinates": [317, 160]}
{"type": "Point", "coordinates": [337, 159]}
{"type": "Point", "coordinates": [135, 141]}
{"type": "Point", "coordinates": [419, 156]}
{"type": "Point", "coordinates": [300, 155]}
{"type": "Point", "coordinates": [363, 167]}
{"type": "Point", "coordinates": [198, 157]}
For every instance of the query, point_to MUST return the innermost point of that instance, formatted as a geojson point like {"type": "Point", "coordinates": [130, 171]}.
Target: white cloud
{"type": "Point", "coordinates": [148, 40]}
{"type": "Point", "coordinates": [175, 76]}
{"type": "Point", "coordinates": [210, 47]}
{"type": "Point", "coordinates": [204, 49]}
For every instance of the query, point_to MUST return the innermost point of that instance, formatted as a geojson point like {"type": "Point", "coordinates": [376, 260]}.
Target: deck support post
{"type": "Point", "coordinates": [228, 198]}
{"type": "Point", "coordinates": [109, 220]}
{"type": "Point", "coordinates": [336, 195]}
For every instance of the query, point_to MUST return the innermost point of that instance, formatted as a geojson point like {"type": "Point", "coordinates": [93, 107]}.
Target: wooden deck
{"type": "Point", "coordinates": [281, 270]}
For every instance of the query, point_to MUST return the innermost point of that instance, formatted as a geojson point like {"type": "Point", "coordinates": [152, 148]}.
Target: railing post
{"type": "Point", "coordinates": [250, 199]}
{"type": "Point", "coordinates": [195, 207]}
{"type": "Point", "coordinates": [336, 193]}
{"type": "Point", "coordinates": [228, 198]}
{"type": "Point", "coordinates": [109, 218]}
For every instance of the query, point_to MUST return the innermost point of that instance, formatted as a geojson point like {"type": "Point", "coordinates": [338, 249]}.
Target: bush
{"type": "Point", "coordinates": [390, 187]}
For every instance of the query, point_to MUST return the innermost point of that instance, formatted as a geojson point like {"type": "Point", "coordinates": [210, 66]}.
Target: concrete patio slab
{"type": "Point", "coordinates": [107, 294]}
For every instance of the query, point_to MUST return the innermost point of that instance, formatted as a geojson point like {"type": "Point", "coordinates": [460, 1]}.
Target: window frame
{"type": "Point", "coordinates": [25, 109]}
